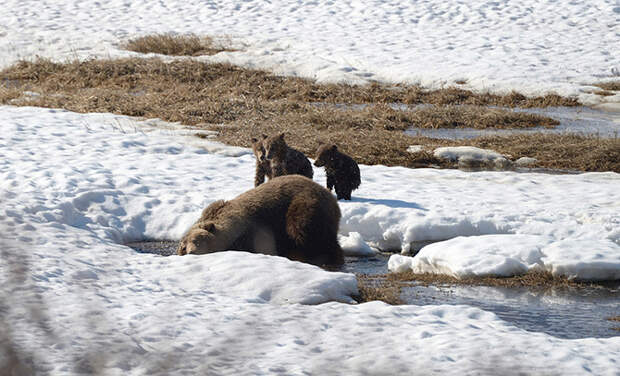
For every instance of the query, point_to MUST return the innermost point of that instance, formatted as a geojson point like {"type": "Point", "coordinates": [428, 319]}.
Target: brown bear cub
{"type": "Point", "coordinates": [263, 167]}
{"type": "Point", "coordinates": [289, 216]}
{"type": "Point", "coordinates": [285, 160]}
{"type": "Point", "coordinates": [341, 170]}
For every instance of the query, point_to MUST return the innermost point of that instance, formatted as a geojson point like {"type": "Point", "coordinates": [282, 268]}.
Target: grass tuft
{"type": "Point", "coordinates": [372, 289]}
{"type": "Point", "coordinates": [174, 45]}
{"type": "Point", "coordinates": [611, 85]}
{"type": "Point", "coordinates": [535, 280]}
{"type": "Point", "coordinates": [477, 117]}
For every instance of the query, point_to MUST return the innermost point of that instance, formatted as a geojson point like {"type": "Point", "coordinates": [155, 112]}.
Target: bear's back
{"type": "Point", "coordinates": [298, 163]}
{"type": "Point", "coordinates": [281, 190]}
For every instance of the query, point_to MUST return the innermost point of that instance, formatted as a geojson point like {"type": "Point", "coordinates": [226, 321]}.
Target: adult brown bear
{"type": "Point", "coordinates": [289, 216]}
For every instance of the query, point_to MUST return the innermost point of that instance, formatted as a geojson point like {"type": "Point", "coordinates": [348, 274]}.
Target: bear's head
{"type": "Point", "coordinates": [259, 149]}
{"type": "Point", "coordinates": [325, 154]}
{"type": "Point", "coordinates": [275, 147]}
{"type": "Point", "coordinates": [202, 239]}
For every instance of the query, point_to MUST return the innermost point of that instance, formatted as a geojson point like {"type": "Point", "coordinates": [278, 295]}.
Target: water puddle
{"type": "Point", "coordinates": [579, 120]}
{"type": "Point", "coordinates": [563, 313]}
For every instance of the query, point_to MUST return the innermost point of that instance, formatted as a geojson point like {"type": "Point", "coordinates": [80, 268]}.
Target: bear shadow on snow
{"type": "Point", "coordinates": [289, 216]}
{"type": "Point", "coordinates": [391, 203]}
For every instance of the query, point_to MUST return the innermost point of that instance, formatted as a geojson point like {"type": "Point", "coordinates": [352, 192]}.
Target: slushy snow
{"type": "Point", "coordinates": [75, 187]}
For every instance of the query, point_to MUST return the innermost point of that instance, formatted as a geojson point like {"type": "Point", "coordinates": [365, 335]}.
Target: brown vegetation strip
{"type": "Point", "coordinates": [476, 117]}
{"type": "Point", "coordinates": [174, 45]}
{"type": "Point", "coordinates": [387, 287]}
{"type": "Point", "coordinates": [542, 279]}
{"type": "Point", "coordinates": [612, 85]}
{"type": "Point", "coordinates": [372, 288]}
{"type": "Point", "coordinates": [242, 103]}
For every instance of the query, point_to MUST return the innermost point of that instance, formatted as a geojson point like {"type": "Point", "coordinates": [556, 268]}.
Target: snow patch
{"type": "Point", "coordinates": [516, 254]}
{"type": "Point", "coordinates": [354, 245]}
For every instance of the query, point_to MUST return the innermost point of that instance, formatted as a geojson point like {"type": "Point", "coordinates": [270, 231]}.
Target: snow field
{"type": "Point", "coordinates": [534, 47]}
{"type": "Point", "coordinates": [75, 186]}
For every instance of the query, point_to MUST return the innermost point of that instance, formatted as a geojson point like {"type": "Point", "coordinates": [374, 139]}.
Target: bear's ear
{"type": "Point", "coordinates": [254, 140]}
{"type": "Point", "coordinates": [281, 135]}
{"type": "Point", "coordinates": [334, 147]}
{"type": "Point", "coordinates": [264, 136]}
{"type": "Point", "coordinates": [209, 227]}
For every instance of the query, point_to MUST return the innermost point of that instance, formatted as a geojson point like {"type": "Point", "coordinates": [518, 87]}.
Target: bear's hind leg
{"type": "Point", "coordinates": [314, 231]}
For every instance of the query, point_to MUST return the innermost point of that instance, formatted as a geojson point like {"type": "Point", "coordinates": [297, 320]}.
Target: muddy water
{"type": "Point", "coordinates": [572, 313]}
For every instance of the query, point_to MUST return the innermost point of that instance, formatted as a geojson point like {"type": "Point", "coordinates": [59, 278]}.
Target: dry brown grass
{"type": "Point", "coordinates": [241, 103]}
{"type": "Point", "coordinates": [617, 319]}
{"type": "Point", "coordinates": [8, 94]}
{"type": "Point", "coordinates": [174, 45]}
{"type": "Point", "coordinates": [542, 279]}
{"type": "Point", "coordinates": [387, 287]}
{"type": "Point", "coordinates": [565, 151]}
{"type": "Point", "coordinates": [372, 288]}
{"type": "Point", "coordinates": [612, 85]}
{"type": "Point", "coordinates": [477, 117]}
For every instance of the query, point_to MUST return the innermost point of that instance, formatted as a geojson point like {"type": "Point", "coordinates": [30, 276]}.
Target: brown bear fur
{"type": "Point", "coordinates": [263, 166]}
{"type": "Point", "coordinates": [289, 216]}
{"type": "Point", "coordinates": [341, 170]}
{"type": "Point", "coordinates": [285, 160]}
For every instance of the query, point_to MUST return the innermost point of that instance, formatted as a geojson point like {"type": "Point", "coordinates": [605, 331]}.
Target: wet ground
{"type": "Point", "coordinates": [580, 120]}
{"type": "Point", "coordinates": [564, 313]}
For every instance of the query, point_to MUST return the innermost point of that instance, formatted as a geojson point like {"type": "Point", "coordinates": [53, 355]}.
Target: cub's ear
{"type": "Point", "coordinates": [254, 140]}
{"type": "Point", "coordinates": [209, 227]}
{"type": "Point", "coordinates": [264, 136]}
{"type": "Point", "coordinates": [334, 148]}
{"type": "Point", "coordinates": [281, 135]}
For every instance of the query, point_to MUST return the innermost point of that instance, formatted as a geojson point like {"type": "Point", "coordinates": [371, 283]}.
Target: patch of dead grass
{"type": "Point", "coordinates": [536, 279]}
{"type": "Point", "coordinates": [174, 45]}
{"type": "Point", "coordinates": [241, 103]}
{"type": "Point", "coordinates": [477, 117]}
{"type": "Point", "coordinates": [8, 94]}
{"type": "Point", "coordinates": [387, 287]}
{"type": "Point", "coordinates": [611, 85]}
{"type": "Point", "coordinates": [371, 289]}
{"type": "Point", "coordinates": [564, 151]}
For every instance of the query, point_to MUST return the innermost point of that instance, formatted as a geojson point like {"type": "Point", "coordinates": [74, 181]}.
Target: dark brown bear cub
{"type": "Point", "coordinates": [285, 160]}
{"type": "Point", "coordinates": [289, 216]}
{"type": "Point", "coordinates": [341, 170]}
